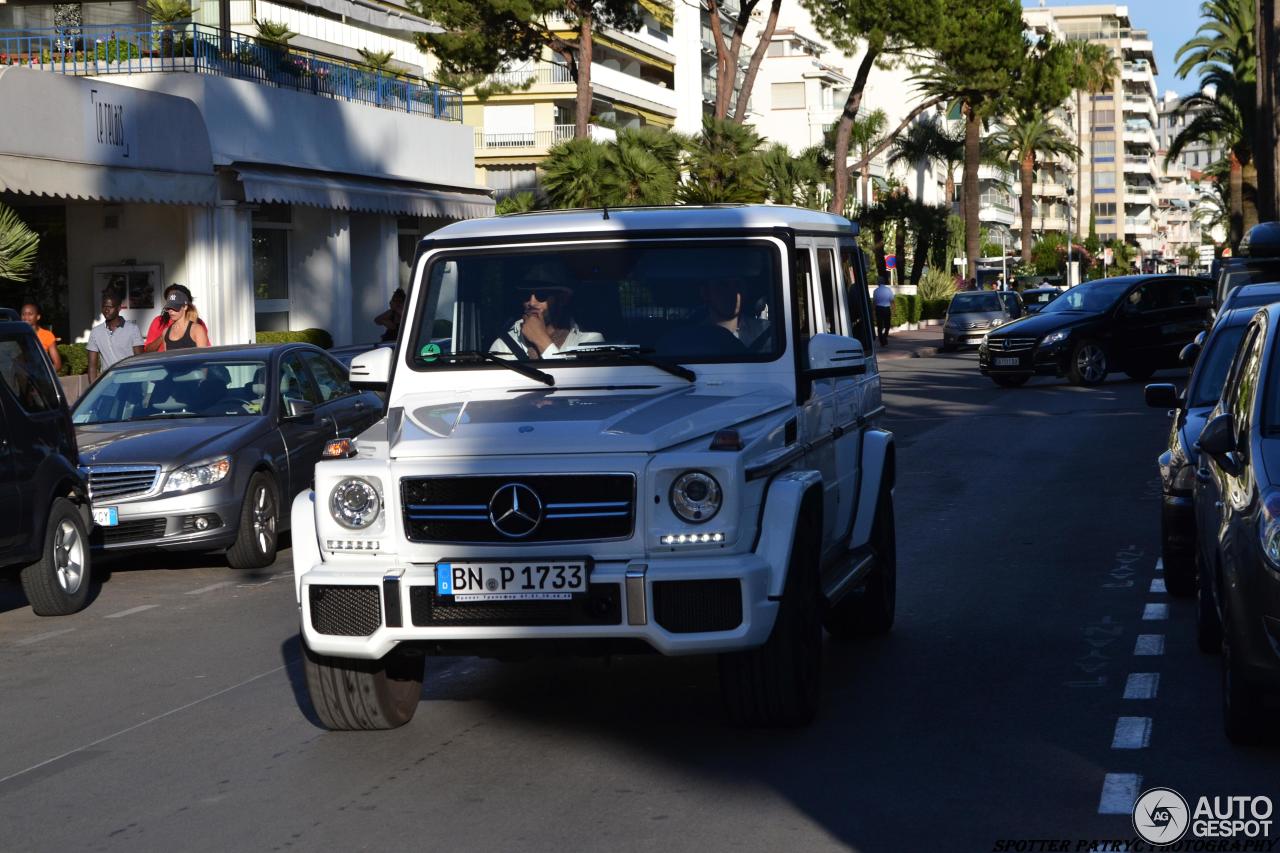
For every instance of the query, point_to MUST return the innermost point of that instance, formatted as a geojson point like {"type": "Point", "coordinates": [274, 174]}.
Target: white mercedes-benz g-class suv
{"type": "Point", "coordinates": [618, 430]}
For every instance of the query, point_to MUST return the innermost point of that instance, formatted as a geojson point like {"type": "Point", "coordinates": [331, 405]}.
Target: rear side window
{"type": "Point", "coordinates": [830, 292]}
{"type": "Point", "coordinates": [859, 302]}
{"type": "Point", "coordinates": [26, 373]}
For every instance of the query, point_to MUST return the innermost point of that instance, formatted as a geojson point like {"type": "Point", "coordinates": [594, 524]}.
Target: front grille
{"type": "Point", "coordinates": [121, 481]}
{"type": "Point", "coordinates": [133, 531]}
{"type": "Point", "coordinates": [574, 507]}
{"type": "Point", "coordinates": [687, 607]}
{"type": "Point", "coordinates": [345, 611]}
{"type": "Point", "coordinates": [602, 605]}
{"type": "Point", "coordinates": [995, 344]}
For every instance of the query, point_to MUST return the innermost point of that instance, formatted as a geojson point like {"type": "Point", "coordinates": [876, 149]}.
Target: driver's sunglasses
{"type": "Point", "coordinates": [537, 295]}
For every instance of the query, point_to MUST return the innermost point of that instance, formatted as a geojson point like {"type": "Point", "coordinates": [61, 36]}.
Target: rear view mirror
{"type": "Point", "coordinates": [1162, 395]}
{"type": "Point", "coordinates": [835, 355]}
{"type": "Point", "coordinates": [1189, 354]}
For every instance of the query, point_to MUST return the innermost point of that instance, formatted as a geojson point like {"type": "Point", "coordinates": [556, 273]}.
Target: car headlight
{"type": "Point", "coordinates": [1054, 337]}
{"type": "Point", "coordinates": [354, 503]}
{"type": "Point", "coordinates": [996, 322]}
{"type": "Point", "coordinates": [194, 476]}
{"type": "Point", "coordinates": [696, 496]}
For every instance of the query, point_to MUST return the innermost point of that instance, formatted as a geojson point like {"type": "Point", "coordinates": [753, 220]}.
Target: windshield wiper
{"type": "Point", "coordinates": [511, 364]}
{"type": "Point", "coordinates": [162, 415]}
{"type": "Point", "coordinates": [637, 355]}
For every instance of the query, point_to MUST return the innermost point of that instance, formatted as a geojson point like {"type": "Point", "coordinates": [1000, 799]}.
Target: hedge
{"type": "Point", "coordinates": [75, 359]}
{"type": "Point", "coordinates": [319, 337]}
{"type": "Point", "coordinates": [934, 309]}
{"type": "Point", "coordinates": [906, 309]}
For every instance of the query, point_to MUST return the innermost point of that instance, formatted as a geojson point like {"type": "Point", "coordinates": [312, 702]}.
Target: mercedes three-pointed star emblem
{"type": "Point", "coordinates": [515, 510]}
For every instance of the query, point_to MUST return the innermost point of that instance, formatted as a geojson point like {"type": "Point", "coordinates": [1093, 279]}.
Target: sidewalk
{"type": "Point", "coordinates": [921, 343]}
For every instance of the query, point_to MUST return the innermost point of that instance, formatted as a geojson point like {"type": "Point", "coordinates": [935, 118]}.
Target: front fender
{"type": "Point", "coordinates": [779, 520]}
{"type": "Point", "coordinates": [306, 547]}
{"type": "Point", "coordinates": [878, 467]}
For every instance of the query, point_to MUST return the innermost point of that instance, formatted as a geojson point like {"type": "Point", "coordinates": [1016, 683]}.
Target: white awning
{"type": "Point", "coordinates": [59, 179]}
{"type": "Point", "coordinates": [360, 194]}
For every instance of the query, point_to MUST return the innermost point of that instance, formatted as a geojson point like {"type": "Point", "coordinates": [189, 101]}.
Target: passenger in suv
{"type": "Point", "coordinates": [45, 522]}
{"type": "Point", "coordinates": [643, 491]}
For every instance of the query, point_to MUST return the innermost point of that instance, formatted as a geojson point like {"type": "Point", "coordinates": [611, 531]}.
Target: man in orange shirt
{"type": "Point", "coordinates": [31, 314]}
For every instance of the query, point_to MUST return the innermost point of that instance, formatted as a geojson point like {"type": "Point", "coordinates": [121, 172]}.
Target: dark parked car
{"type": "Point", "coordinates": [972, 313]}
{"type": "Point", "coordinates": [9, 314]}
{"type": "Point", "coordinates": [1134, 323]}
{"type": "Point", "coordinates": [1250, 296]}
{"type": "Point", "coordinates": [45, 519]}
{"type": "Point", "coordinates": [1178, 462]}
{"type": "Point", "coordinates": [1036, 298]}
{"type": "Point", "coordinates": [204, 449]}
{"type": "Point", "coordinates": [1257, 262]}
{"type": "Point", "coordinates": [1237, 505]}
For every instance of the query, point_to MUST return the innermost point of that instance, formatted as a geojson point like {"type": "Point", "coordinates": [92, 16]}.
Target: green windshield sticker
{"type": "Point", "coordinates": [429, 352]}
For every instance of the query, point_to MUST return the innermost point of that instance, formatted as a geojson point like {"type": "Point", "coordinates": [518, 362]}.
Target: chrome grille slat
{"type": "Point", "coordinates": [121, 481]}
{"type": "Point", "coordinates": [1002, 344]}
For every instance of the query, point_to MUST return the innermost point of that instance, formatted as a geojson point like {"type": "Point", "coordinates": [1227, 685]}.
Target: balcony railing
{"type": "Point", "coordinates": [996, 200]}
{"type": "Point", "coordinates": [542, 72]}
{"type": "Point", "coordinates": [194, 48]}
{"type": "Point", "coordinates": [539, 139]}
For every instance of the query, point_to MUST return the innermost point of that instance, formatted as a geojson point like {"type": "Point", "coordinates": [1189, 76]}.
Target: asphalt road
{"type": "Point", "coordinates": [171, 714]}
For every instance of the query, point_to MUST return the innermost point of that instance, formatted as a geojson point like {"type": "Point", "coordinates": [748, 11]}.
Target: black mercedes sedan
{"type": "Point", "coordinates": [1135, 323]}
{"type": "Point", "coordinates": [1237, 507]}
{"type": "Point", "coordinates": [1178, 462]}
{"type": "Point", "coordinates": [204, 449]}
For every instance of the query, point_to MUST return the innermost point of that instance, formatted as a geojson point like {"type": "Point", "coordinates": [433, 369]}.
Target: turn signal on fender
{"type": "Point", "coordinates": [339, 448]}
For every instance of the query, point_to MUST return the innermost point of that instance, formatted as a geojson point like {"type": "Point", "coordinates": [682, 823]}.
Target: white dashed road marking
{"type": "Point", "coordinates": [1149, 644]}
{"type": "Point", "coordinates": [1155, 612]}
{"type": "Point", "coordinates": [1119, 793]}
{"type": "Point", "coordinates": [210, 588]}
{"type": "Point", "coordinates": [130, 611]}
{"type": "Point", "coordinates": [1131, 733]}
{"type": "Point", "coordinates": [1142, 685]}
{"type": "Point", "coordinates": [46, 635]}
{"type": "Point", "coordinates": [1157, 585]}
{"type": "Point", "coordinates": [1159, 564]}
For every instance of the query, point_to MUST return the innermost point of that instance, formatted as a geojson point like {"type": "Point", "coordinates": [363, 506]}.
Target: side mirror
{"type": "Point", "coordinates": [1162, 395]}
{"type": "Point", "coordinates": [835, 355]}
{"type": "Point", "coordinates": [371, 371]}
{"type": "Point", "coordinates": [1189, 354]}
{"type": "Point", "coordinates": [299, 410]}
{"type": "Point", "coordinates": [1218, 440]}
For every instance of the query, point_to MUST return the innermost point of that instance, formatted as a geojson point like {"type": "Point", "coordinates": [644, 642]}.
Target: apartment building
{"type": "Point", "coordinates": [1199, 155]}
{"type": "Point", "coordinates": [287, 187]}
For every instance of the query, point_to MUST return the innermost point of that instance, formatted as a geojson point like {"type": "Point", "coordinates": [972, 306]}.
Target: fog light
{"type": "Point", "coordinates": [202, 523]}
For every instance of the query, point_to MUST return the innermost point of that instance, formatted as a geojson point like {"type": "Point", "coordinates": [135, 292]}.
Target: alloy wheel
{"type": "Point", "coordinates": [264, 519]}
{"type": "Point", "coordinates": [68, 557]}
{"type": "Point", "coordinates": [1091, 362]}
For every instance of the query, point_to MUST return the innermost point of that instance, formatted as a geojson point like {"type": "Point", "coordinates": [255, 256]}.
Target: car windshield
{"type": "Point", "coordinates": [1211, 369]}
{"type": "Point", "coordinates": [969, 303]}
{"type": "Point", "coordinates": [1091, 297]}
{"type": "Point", "coordinates": [1244, 271]}
{"type": "Point", "coordinates": [179, 389]}
{"type": "Point", "coordinates": [704, 301]}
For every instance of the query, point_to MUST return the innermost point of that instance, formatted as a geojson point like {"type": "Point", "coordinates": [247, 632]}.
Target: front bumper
{"type": "Point", "coordinates": [1255, 619]}
{"type": "Point", "coordinates": [170, 522]}
{"type": "Point", "coordinates": [962, 337]}
{"type": "Point", "coordinates": [640, 613]}
{"type": "Point", "coordinates": [1037, 360]}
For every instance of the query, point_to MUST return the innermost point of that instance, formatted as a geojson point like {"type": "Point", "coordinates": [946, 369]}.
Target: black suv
{"type": "Point", "coordinates": [44, 527]}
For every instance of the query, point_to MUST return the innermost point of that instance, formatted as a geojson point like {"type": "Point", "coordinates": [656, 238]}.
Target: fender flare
{"type": "Point", "coordinates": [878, 466]}
{"type": "Point", "coordinates": [306, 547]}
{"type": "Point", "coordinates": [782, 507]}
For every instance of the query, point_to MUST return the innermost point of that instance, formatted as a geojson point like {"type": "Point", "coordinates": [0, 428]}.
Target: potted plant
{"type": "Point", "coordinates": [167, 13]}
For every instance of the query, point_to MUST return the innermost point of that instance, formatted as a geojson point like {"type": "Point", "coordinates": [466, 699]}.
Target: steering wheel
{"type": "Point", "coordinates": [225, 406]}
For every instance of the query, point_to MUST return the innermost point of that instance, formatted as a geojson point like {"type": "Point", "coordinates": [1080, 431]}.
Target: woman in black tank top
{"type": "Point", "coordinates": [182, 314]}
{"type": "Point", "coordinates": [184, 340]}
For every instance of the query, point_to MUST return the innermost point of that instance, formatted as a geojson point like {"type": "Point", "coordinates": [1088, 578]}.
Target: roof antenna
{"type": "Point", "coordinates": [605, 207]}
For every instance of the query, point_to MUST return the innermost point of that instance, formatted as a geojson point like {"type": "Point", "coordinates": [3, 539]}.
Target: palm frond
{"type": "Point", "coordinates": [18, 246]}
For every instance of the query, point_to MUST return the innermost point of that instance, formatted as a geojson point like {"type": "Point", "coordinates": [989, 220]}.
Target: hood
{"type": "Point", "coordinates": [977, 318]}
{"type": "Point", "coordinates": [164, 443]}
{"type": "Point", "coordinates": [575, 421]}
{"type": "Point", "coordinates": [1041, 324]}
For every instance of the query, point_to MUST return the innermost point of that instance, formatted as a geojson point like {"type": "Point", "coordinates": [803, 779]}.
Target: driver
{"type": "Point", "coordinates": [546, 327]}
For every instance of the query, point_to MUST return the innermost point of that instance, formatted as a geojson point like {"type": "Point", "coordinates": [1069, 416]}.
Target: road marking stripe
{"type": "Point", "coordinates": [210, 588]}
{"type": "Point", "coordinates": [154, 719]}
{"type": "Point", "coordinates": [46, 635]}
{"type": "Point", "coordinates": [1131, 733]}
{"type": "Point", "coordinates": [1159, 564]}
{"type": "Point", "coordinates": [1149, 644]}
{"type": "Point", "coordinates": [1119, 793]}
{"type": "Point", "coordinates": [130, 611]}
{"type": "Point", "coordinates": [1157, 585]}
{"type": "Point", "coordinates": [1155, 612]}
{"type": "Point", "coordinates": [1142, 685]}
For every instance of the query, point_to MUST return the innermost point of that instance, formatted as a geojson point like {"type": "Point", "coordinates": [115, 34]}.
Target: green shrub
{"type": "Point", "coordinates": [319, 337]}
{"type": "Point", "coordinates": [936, 284]}
{"type": "Point", "coordinates": [934, 309]}
{"type": "Point", "coordinates": [917, 307]}
{"type": "Point", "coordinates": [75, 359]}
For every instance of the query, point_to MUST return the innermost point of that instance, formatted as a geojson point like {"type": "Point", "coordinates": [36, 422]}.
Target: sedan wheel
{"type": "Point", "coordinates": [1088, 363]}
{"type": "Point", "coordinates": [255, 544]}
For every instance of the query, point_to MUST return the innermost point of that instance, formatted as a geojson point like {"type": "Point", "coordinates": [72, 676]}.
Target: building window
{"type": "Point", "coordinates": [1104, 179]}
{"type": "Point", "coordinates": [1104, 147]}
{"type": "Point", "coordinates": [775, 48]}
{"type": "Point", "coordinates": [271, 226]}
{"type": "Point", "coordinates": [508, 180]}
{"type": "Point", "coordinates": [1105, 209]}
{"type": "Point", "coordinates": [788, 96]}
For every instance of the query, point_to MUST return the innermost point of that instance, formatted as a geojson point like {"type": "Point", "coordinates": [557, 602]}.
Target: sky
{"type": "Point", "coordinates": [1170, 22]}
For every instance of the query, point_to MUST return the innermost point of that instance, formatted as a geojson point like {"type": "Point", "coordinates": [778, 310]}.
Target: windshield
{"type": "Point", "coordinates": [1091, 297]}
{"type": "Point", "coordinates": [1213, 364]}
{"type": "Point", "coordinates": [673, 302]}
{"type": "Point", "coordinates": [183, 389]}
{"type": "Point", "coordinates": [970, 303]}
{"type": "Point", "coordinates": [1241, 271]}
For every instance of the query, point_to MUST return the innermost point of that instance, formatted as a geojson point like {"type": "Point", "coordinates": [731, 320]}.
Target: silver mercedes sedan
{"type": "Point", "coordinates": [204, 449]}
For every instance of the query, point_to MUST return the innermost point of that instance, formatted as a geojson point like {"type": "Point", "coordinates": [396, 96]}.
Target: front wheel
{"type": "Point", "coordinates": [1088, 363]}
{"type": "Point", "coordinates": [1208, 626]}
{"type": "Point", "coordinates": [349, 694]}
{"type": "Point", "coordinates": [1179, 567]}
{"type": "Point", "coordinates": [870, 610]}
{"type": "Point", "coordinates": [58, 583]}
{"type": "Point", "coordinates": [255, 545]}
{"type": "Point", "coordinates": [1010, 380]}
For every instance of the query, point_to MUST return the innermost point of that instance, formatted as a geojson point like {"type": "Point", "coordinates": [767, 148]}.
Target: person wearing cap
{"type": "Point", "coordinates": [160, 325]}
{"type": "Point", "coordinates": [546, 328]}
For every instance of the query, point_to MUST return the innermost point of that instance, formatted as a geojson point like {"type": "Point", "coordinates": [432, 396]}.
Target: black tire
{"type": "Point", "coordinates": [1141, 374]}
{"type": "Point", "coordinates": [778, 684]}
{"type": "Point", "coordinates": [947, 348]}
{"type": "Point", "coordinates": [58, 583]}
{"type": "Point", "coordinates": [1089, 364]}
{"type": "Point", "coordinates": [1208, 626]}
{"type": "Point", "coordinates": [1010, 380]}
{"type": "Point", "coordinates": [1179, 568]}
{"type": "Point", "coordinates": [1242, 715]}
{"type": "Point", "coordinates": [256, 540]}
{"type": "Point", "coordinates": [364, 695]}
{"type": "Point", "coordinates": [869, 611]}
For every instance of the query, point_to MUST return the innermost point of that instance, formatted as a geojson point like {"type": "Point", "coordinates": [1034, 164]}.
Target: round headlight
{"type": "Point", "coordinates": [695, 496]}
{"type": "Point", "coordinates": [354, 503]}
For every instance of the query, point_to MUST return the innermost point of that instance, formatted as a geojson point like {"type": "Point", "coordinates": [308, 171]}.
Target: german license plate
{"type": "Point", "coordinates": [1006, 362]}
{"type": "Point", "coordinates": [106, 516]}
{"type": "Point", "coordinates": [513, 581]}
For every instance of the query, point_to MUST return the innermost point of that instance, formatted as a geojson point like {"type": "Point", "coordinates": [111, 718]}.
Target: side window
{"type": "Point", "coordinates": [1236, 370]}
{"type": "Point", "coordinates": [295, 383]}
{"type": "Point", "coordinates": [860, 325]}
{"type": "Point", "coordinates": [1246, 385]}
{"type": "Point", "coordinates": [329, 377]}
{"type": "Point", "coordinates": [831, 296]}
{"type": "Point", "coordinates": [804, 277]}
{"type": "Point", "coordinates": [25, 371]}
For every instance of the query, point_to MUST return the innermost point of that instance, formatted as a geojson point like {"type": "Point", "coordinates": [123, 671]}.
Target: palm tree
{"type": "Point", "coordinates": [924, 144]}
{"type": "Point", "coordinates": [18, 245]}
{"type": "Point", "coordinates": [1094, 72]}
{"type": "Point", "coordinates": [799, 179]}
{"type": "Point", "coordinates": [641, 167]}
{"type": "Point", "coordinates": [723, 165]}
{"type": "Point", "coordinates": [1023, 140]}
{"type": "Point", "coordinates": [571, 174]}
{"type": "Point", "coordinates": [866, 133]}
{"type": "Point", "coordinates": [376, 60]}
